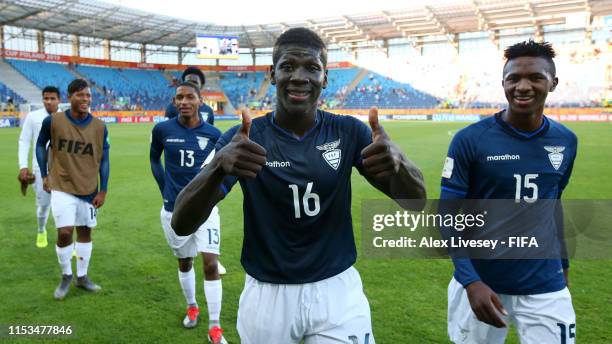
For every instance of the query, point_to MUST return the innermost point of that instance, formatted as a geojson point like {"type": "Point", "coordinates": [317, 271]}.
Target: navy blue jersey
{"type": "Point", "coordinates": [492, 160]}
{"type": "Point", "coordinates": [297, 211]}
{"type": "Point", "coordinates": [206, 113]}
{"type": "Point", "coordinates": [185, 151]}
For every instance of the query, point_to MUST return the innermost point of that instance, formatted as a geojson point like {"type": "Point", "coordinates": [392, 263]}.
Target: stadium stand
{"type": "Point", "coordinates": [268, 100]}
{"type": "Point", "coordinates": [384, 92]}
{"type": "Point", "coordinates": [43, 74]}
{"type": "Point", "coordinates": [6, 94]}
{"type": "Point", "coordinates": [241, 87]}
{"type": "Point", "coordinates": [130, 87]}
{"type": "Point", "coordinates": [338, 81]}
{"type": "Point", "coordinates": [460, 83]}
{"type": "Point", "coordinates": [581, 81]}
{"type": "Point", "coordinates": [424, 82]}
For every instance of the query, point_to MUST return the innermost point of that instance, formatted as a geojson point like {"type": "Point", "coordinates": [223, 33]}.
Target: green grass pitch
{"type": "Point", "coordinates": [141, 301]}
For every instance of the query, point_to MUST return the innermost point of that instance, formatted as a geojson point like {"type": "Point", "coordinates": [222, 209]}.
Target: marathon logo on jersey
{"type": "Point", "coordinates": [555, 156]}
{"type": "Point", "coordinates": [282, 164]}
{"type": "Point", "coordinates": [175, 141]}
{"type": "Point", "coordinates": [503, 157]}
{"type": "Point", "coordinates": [202, 142]}
{"type": "Point", "coordinates": [75, 147]}
{"type": "Point", "coordinates": [331, 153]}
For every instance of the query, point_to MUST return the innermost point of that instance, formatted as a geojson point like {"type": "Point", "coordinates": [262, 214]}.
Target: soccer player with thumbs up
{"type": "Point", "coordinates": [294, 166]}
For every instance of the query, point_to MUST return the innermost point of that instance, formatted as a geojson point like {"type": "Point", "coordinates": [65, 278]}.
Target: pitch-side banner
{"type": "Point", "coordinates": [217, 47]}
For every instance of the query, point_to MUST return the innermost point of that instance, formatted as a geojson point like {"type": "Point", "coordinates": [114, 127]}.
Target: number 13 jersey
{"type": "Point", "coordinates": [185, 150]}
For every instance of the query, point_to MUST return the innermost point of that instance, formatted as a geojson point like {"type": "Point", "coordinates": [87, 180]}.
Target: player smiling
{"type": "Point", "coordinates": [298, 249]}
{"type": "Point", "coordinates": [484, 295]}
{"type": "Point", "coordinates": [79, 148]}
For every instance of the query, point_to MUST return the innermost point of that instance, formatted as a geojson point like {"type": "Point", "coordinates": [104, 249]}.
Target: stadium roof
{"type": "Point", "coordinates": [109, 21]}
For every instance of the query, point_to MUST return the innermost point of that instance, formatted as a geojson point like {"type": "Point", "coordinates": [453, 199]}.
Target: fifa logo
{"type": "Point", "coordinates": [555, 155]}
{"type": "Point", "coordinates": [331, 154]}
{"type": "Point", "coordinates": [75, 147]}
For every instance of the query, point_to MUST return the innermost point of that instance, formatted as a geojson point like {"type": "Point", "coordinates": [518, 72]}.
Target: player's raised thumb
{"type": "Point", "coordinates": [245, 128]}
{"type": "Point", "coordinates": [377, 129]}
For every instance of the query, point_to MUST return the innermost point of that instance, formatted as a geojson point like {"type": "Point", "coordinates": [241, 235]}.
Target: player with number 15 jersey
{"type": "Point", "coordinates": [518, 154]}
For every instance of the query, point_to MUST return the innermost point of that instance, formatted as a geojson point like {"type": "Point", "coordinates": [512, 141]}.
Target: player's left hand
{"type": "Point", "coordinates": [566, 275]}
{"type": "Point", "coordinates": [98, 201]}
{"type": "Point", "coordinates": [381, 158]}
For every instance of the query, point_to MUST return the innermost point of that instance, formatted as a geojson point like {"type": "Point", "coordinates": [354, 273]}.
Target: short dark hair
{"type": "Point", "coordinates": [51, 89]}
{"type": "Point", "coordinates": [532, 49]}
{"type": "Point", "coordinates": [190, 84]}
{"type": "Point", "coordinates": [300, 36]}
{"type": "Point", "coordinates": [77, 85]}
{"type": "Point", "coordinates": [194, 70]}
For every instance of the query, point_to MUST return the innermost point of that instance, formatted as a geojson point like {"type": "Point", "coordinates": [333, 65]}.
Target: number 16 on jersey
{"type": "Point", "coordinates": [308, 195]}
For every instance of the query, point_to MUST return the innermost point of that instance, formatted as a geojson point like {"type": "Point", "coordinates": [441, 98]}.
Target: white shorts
{"type": "Point", "coordinates": [69, 210]}
{"type": "Point", "coordinates": [206, 239]}
{"type": "Point", "coordinates": [43, 198]}
{"type": "Point", "coordinates": [539, 318]}
{"type": "Point", "coordinates": [334, 310]}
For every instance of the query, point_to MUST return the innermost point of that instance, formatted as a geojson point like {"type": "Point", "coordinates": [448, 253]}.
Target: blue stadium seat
{"type": "Point", "coordinates": [241, 88]}
{"type": "Point", "coordinates": [378, 90]}
{"type": "Point", "coordinates": [44, 74]}
{"type": "Point", "coordinates": [6, 93]}
{"type": "Point", "coordinates": [148, 88]}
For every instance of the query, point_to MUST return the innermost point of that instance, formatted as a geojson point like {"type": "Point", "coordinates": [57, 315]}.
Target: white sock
{"type": "Point", "coordinates": [83, 252]}
{"type": "Point", "coordinates": [187, 280]}
{"type": "Point", "coordinates": [214, 294]}
{"type": "Point", "coordinates": [64, 255]}
{"type": "Point", "coordinates": [42, 213]}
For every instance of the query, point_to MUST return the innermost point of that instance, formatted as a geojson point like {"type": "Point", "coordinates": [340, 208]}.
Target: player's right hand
{"type": "Point", "coordinates": [486, 304]}
{"type": "Point", "coordinates": [242, 157]}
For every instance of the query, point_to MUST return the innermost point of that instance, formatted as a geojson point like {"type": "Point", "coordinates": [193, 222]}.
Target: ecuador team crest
{"type": "Point", "coordinates": [331, 153]}
{"type": "Point", "coordinates": [555, 155]}
{"type": "Point", "coordinates": [204, 116]}
{"type": "Point", "coordinates": [202, 142]}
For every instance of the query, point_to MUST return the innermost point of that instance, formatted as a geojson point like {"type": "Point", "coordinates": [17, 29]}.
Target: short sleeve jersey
{"type": "Point", "coordinates": [185, 152]}
{"type": "Point", "coordinates": [297, 211]}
